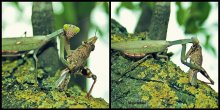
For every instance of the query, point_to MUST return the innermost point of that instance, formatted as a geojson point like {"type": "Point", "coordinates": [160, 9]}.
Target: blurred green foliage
{"type": "Point", "coordinates": [191, 18]}
{"type": "Point", "coordinates": [128, 5]}
{"type": "Point", "coordinates": [75, 13]}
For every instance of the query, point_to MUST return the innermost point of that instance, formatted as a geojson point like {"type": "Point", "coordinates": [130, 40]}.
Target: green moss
{"type": "Point", "coordinates": [162, 85]}
{"type": "Point", "coordinates": [204, 101]}
{"type": "Point", "coordinates": [160, 94]}
{"type": "Point", "coordinates": [20, 90]}
{"type": "Point", "coordinates": [183, 80]}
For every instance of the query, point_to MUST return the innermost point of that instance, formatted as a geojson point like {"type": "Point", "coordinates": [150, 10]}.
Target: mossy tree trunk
{"type": "Point", "coordinates": [154, 19]}
{"type": "Point", "coordinates": [42, 22]}
{"type": "Point", "coordinates": [154, 83]}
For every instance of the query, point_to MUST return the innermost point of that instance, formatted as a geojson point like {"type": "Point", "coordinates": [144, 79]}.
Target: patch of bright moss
{"type": "Point", "coordinates": [204, 101]}
{"type": "Point", "coordinates": [183, 80]}
{"type": "Point", "coordinates": [160, 94]}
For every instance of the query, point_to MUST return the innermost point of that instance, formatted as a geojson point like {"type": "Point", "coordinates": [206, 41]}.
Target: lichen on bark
{"type": "Point", "coordinates": [20, 89]}
{"type": "Point", "coordinates": [155, 84]}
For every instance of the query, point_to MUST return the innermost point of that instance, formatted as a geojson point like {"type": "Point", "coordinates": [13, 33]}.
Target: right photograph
{"type": "Point", "coordinates": [164, 55]}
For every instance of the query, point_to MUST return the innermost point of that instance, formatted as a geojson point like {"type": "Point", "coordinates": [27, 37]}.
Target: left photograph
{"type": "Point", "coordinates": [55, 54]}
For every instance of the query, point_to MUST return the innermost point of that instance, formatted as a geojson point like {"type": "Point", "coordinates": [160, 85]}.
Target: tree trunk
{"type": "Point", "coordinates": [42, 22]}
{"type": "Point", "coordinates": [159, 21]}
{"type": "Point", "coordinates": [144, 20]}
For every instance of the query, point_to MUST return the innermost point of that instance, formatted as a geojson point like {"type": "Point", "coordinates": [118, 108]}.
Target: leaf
{"type": "Point", "coordinates": [106, 7]}
{"type": "Point", "coordinates": [69, 12]}
{"type": "Point", "coordinates": [182, 14]}
{"type": "Point", "coordinates": [128, 5]}
{"type": "Point", "coordinates": [16, 4]}
{"type": "Point", "coordinates": [191, 26]}
{"type": "Point", "coordinates": [213, 50]}
{"type": "Point", "coordinates": [207, 44]}
{"type": "Point", "coordinates": [179, 17]}
{"type": "Point", "coordinates": [118, 10]}
{"type": "Point", "coordinates": [200, 11]}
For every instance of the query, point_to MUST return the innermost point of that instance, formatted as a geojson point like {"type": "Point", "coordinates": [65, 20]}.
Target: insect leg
{"type": "Point", "coordinates": [63, 80]}
{"type": "Point", "coordinates": [183, 60]}
{"type": "Point", "coordinates": [35, 57]}
{"type": "Point", "coordinates": [193, 66]}
{"type": "Point", "coordinates": [204, 73]}
{"type": "Point", "coordinates": [132, 67]}
{"type": "Point", "coordinates": [36, 61]}
{"type": "Point", "coordinates": [61, 53]}
{"type": "Point", "coordinates": [87, 73]}
{"type": "Point", "coordinates": [161, 55]}
{"type": "Point", "coordinates": [193, 76]}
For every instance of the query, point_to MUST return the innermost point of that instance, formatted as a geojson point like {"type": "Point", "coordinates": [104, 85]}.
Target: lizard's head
{"type": "Point", "coordinates": [70, 30]}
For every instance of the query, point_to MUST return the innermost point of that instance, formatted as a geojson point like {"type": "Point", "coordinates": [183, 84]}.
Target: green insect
{"type": "Point", "coordinates": [145, 48]}
{"type": "Point", "coordinates": [21, 45]}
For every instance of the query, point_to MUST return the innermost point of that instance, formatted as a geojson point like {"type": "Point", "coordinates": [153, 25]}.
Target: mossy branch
{"type": "Point", "coordinates": [20, 90]}
{"type": "Point", "coordinates": [156, 84]}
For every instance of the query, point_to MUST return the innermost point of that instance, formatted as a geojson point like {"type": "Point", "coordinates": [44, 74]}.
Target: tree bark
{"type": "Point", "coordinates": [42, 22]}
{"type": "Point", "coordinates": [159, 21]}
{"type": "Point", "coordinates": [144, 20]}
